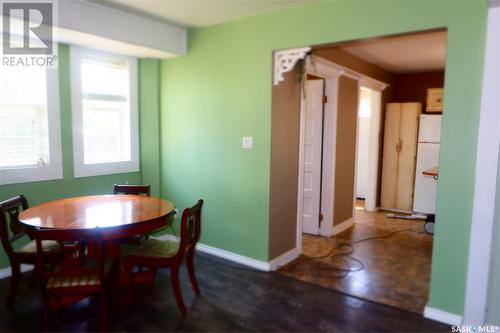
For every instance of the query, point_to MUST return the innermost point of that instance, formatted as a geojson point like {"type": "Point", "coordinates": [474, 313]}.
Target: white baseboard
{"type": "Point", "coordinates": [237, 258]}
{"type": "Point", "coordinates": [394, 210]}
{"type": "Point", "coordinates": [343, 226]}
{"type": "Point", "coordinates": [6, 272]}
{"type": "Point", "coordinates": [442, 316]}
{"type": "Point", "coordinates": [284, 259]}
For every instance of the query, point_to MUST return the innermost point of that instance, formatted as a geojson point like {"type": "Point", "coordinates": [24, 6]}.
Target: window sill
{"type": "Point", "coordinates": [101, 169]}
{"type": "Point", "coordinates": [34, 174]}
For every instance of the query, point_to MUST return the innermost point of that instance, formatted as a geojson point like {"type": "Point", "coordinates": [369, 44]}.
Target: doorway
{"type": "Point", "coordinates": [350, 239]}
{"type": "Point", "coordinates": [368, 147]}
{"type": "Point", "coordinates": [328, 144]}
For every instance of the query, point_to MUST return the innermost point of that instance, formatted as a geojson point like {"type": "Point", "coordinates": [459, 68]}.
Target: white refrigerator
{"type": "Point", "coordinates": [429, 134]}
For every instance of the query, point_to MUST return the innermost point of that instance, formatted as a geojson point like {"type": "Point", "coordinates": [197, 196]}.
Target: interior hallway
{"type": "Point", "coordinates": [394, 270]}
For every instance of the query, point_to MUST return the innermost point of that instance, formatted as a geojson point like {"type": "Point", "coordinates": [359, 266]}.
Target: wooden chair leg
{"type": "Point", "coordinates": [153, 279]}
{"type": "Point", "coordinates": [128, 281]}
{"type": "Point", "coordinates": [192, 276]}
{"type": "Point", "coordinates": [129, 284]}
{"type": "Point", "coordinates": [33, 279]}
{"type": "Point", "coordinates": [104, 312]}
{"type": "Point", "coordinates": [45, 310]}
{"type": "Point", "coordinates": [14, 285]}
{"type": "Point", "coordinates": [174, 277]}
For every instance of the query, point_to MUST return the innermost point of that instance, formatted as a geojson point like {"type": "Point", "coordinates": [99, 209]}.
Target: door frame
{"type": "Point", "coordinates": [331, 73]}
{"type": "Point", "coordinates": [320, 68]}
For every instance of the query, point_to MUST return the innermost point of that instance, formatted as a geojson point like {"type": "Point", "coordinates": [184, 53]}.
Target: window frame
{"type": "Point", "coordinates": [54, 169]}
{"type": "Point", "coordinates": [97, 169]}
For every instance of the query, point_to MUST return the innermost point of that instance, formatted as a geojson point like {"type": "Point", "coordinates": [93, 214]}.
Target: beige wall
{"type": "Point", "coordinates": [346, 59]}
{"type": "Point", "coordinates": [345, 157]}
{"type": "Point", "coordinates": [412, 87]}
{"type": "Point", "coordinates": [285, 124]}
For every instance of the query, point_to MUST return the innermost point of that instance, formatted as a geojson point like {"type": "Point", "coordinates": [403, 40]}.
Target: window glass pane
{"type": "Point", "coordinates": [104, 77]}
{"type": "Point", "coordinates": [105, 111]}
{"type": "Point", "coordinates": [24, 139]}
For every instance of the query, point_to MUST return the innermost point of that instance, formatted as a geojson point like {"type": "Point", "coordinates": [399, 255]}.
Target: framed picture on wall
{"type": "Point", "coordinates": [435, 100]}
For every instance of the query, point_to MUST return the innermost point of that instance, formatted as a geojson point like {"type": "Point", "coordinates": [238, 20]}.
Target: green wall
{"type": "Point", "coordinates": [149, 122]}
{"type": "Point", "coordinates": [38, 192]}
{"type": "Point", "coordinates": [221, 91]}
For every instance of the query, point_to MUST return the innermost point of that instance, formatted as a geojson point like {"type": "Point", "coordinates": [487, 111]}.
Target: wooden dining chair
{"type": "Point", "coordinates": [76, 274]}
{"type": "Point", "coordinates": [132, 189]}
{"type": "Point", "coordinates": [10, 233]}
{"type": "Point", "coordinates": [137, 190]}
{"type": "Point", "coordinates": [155, 254]}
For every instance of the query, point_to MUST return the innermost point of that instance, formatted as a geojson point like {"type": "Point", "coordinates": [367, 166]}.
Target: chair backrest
{"type": "Point", "coordinates": [132, 189]}
{"type": "Point", "coordinates": [190, 227]}
{"type": "Point", "coordinates": [10, 228]}
{"type": "Point", "coordinates": [80, 253]}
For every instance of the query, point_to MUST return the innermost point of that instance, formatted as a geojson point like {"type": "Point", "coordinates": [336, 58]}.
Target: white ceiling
{"type": "Point", "coordinates": [404, 54]}
{"type": "Point", "coordinates": [198, 13]}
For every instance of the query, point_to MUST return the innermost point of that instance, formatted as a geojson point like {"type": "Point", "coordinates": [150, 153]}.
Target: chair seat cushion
{"type": "Point", "coordinates": [155, 248]}
{"type": "Point", "coordinates": [48, 246]}
{"type": "Point", "coordinates": [85, 279]}
{"type": "Point", "coordinates": [73, 281]}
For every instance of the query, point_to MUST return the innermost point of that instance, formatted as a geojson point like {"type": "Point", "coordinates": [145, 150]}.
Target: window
{"type": "Point", "coordinates": [105, 118]}
{"type": "Point", "coordinates": [30, 142]}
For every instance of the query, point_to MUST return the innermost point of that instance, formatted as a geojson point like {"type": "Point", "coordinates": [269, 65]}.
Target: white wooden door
{"type": "Point", "coordinates": [313, 139]}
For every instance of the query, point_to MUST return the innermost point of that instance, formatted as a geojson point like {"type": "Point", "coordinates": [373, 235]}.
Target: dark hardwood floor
{"type": "Point", "coordinates": [234, 299]}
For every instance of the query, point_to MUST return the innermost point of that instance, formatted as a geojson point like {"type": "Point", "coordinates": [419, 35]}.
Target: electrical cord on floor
{"type": "Point", "coordinates": [337, 246]}
{"type": "Point", "coordinates": [350, 245]}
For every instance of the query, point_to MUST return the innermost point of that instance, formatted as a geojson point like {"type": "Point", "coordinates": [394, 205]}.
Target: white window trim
{"type": "Point", "coordinates": [87, 170]}
{"type": "Point", "coordinates": [53, 170]}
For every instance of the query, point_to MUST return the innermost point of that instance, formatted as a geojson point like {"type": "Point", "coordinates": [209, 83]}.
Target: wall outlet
{"type": "Point", "coordinates": [247, 142]}
{"type": "Point", "coordinates": [176, 213]}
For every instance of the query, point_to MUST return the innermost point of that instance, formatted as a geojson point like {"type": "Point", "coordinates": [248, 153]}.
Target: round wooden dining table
{"type": "Point", "coordinates": [116, 216]}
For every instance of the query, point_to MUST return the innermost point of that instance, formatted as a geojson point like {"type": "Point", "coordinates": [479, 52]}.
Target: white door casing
{"type": "Point", "coordinates": [331, 73]}
{"type": "Point", "coordinates": [329, 155]}
{"type": "Point", "coordinates": [313, 137]}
